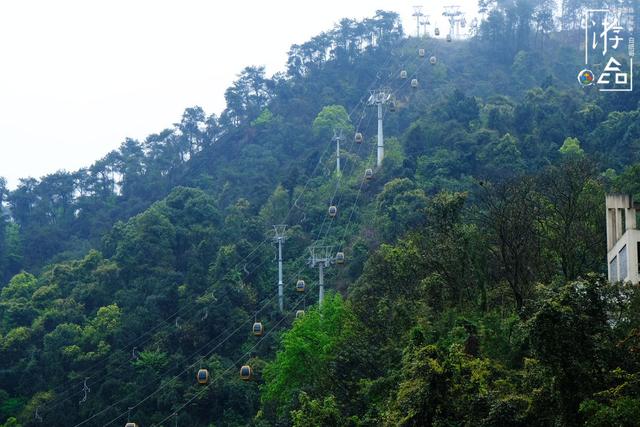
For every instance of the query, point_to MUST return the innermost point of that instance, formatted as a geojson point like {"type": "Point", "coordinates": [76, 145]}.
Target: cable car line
{"type": "Point", "coordinates": [243, 357]}
{"type": "Point", "coordinates": [166, 322]}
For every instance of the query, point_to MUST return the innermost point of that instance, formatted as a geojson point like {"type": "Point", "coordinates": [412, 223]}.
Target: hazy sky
{"type": "Point", "coordinates": [77, 77]}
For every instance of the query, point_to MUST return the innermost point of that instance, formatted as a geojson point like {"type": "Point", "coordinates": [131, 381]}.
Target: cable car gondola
{"type": "Point", "coordinates": [131, 425]}
{"type": "Point", "coordinates": [392, 106]}
{"type": "Point", "coordinates": [358, 138]}
{"type": "Point", "coordinates": [340, 258]}
{"type": "Point", "coordinates": [203, 376]}
{"type": "Point", "coordinates": [245, 373]}
{"type": "Point", "coordinates": [414, 83]}
{"type": "Point", "coordinates": [258, 329]}
{"type": "Point", "coordinates": [333, 211]}
{"type": "Point", "coordinates": [403, 74]}
{"type": "Point", "coordinates": [300, 286]}
{"type": "Point", "coordinates": [299, 313]}
{"type": "Point", "coordinates": [437, 31]}
{"type": "Point", "coordinates": [433, 60]}
{"type": "Point", "coordinates": [421, 53]}
{"type": "Point", "coordinates": [448, 37]}
{"type": "Point", "coordinates": [368, 174]}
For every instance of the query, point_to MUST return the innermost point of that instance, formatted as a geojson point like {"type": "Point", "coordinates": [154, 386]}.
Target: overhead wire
{"type": "Point", "coordinates": [289, 212]}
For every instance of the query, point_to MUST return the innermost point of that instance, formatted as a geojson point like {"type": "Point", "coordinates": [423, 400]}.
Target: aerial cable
{"type": "Point", "coordinates": [239, 360]}
{"type": "Point", "coordinates": [199, 361]}
{"type": "Point", "coordinates": [136, 340]}
{"type": "Point", "coordinates": [165, 322]}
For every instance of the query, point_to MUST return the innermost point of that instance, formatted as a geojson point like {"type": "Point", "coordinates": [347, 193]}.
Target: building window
{"type": "Point", "coordinates": [623, 272]}
{"type": "Point", "coordinates": [613, 270]}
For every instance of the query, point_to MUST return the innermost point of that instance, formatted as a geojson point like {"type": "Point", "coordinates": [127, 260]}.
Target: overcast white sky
{"type": "Point", "coordinates": [78, 76]}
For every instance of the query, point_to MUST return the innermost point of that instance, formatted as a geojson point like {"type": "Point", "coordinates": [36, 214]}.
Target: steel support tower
{"type": "Point", "coordinates": [417, 12]}
{"type": "Point", "coordinates": [379, 98]}
{"type": "Point", "coordinates": [337, 137]}
{"type": "Point", "coordinates": [321, 257]}
{"type": "Point", "coordinates": [279, 238]}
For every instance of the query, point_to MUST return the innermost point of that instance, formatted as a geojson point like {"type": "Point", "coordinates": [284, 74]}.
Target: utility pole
{"type": "Point", "coordinates": [424, 24]}
{"type": "Point", "coordinates": [455, 17]}
{"type": "Point", "coordinates": [321, 257]}
{"type": "Point", "coordinates": [337, 137]}
{"type": "Point", "coordinates": [417, 12]}
{"type": "Point", "coordinates": [379, 98]}
{"type": "Point", "coordinates": [280, 238]}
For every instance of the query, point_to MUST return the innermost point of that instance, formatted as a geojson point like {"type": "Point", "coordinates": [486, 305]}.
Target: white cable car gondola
{"type": "Point", "coordinates": [433, 60]}
{"type": "Point", "coordinates": [448, 37]}
{"type": "Point", "coordinates": [414, 83]}
{"type": "Point", "coordinates": [403, 74]}
{"type": "Point", "coordinates": [333, 211]}
{"type": "Point", "coordinates": [300, 286]}
{"type": "Point", "coordinates": [421, 53]}
{"type": "Point", "coordinates": [340, 258]}
{"type": "Point", "coordinates": [299, 313]}
{"type": "Point", "coordinates": [257, 329]}
{"type": "Point", "coordinates": [358, 138]}
{"type": "Point", "coordinates": [368, 174]}
{"type": "Point", "coordinates": [437, 31]}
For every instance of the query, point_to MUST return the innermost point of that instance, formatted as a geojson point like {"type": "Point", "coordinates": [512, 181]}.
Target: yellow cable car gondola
{"type": "Point", "coordinates": [245, 373]}
{"type": "Point", "coordinates": [300, 286]}
{"type": "Point", "coordinates": [258, 329]}
{"type": "Point", "coordinates": [202, 376]}
{"type": "Point", "coordinates": [340, 258]}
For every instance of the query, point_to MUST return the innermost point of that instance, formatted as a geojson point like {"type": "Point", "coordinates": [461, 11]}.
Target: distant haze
{"type": "Point", "coordinates": [77, 77]}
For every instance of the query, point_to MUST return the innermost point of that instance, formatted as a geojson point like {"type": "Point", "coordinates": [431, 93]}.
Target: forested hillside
{"type": "Point", "coordinates": [473, 290]}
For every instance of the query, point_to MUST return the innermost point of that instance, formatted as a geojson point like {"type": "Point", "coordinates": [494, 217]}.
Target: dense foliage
{"type": "Point", "coordinates": [473, 292]}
